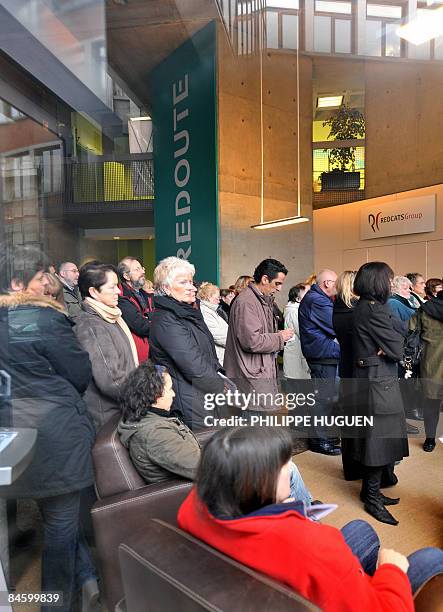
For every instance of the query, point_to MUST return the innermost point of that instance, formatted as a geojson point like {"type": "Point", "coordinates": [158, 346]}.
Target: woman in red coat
{"type": "Point", "coordinates": [240, 506]}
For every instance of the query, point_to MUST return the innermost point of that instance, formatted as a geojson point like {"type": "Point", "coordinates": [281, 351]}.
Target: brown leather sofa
{"type": "Point", "coordinates": [164, 568]}
{"type": "Point", "coordinates": [167, 569]}
{"type": "Point", "coordinates": [125, 504]}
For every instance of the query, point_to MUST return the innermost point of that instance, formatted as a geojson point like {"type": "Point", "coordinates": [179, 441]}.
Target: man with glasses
{"type": "Point", "coordinates": [68, 274]}
{"type": "Point", "coordinates": [322, 352]}
{"type": "Point", "coordinates": [136, 305]}
{"type": "Point", "coordinates": [418, 289]}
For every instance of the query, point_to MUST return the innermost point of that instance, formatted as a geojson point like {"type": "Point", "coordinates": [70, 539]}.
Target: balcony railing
{"type": "Point", "coordinates": [109, 185]}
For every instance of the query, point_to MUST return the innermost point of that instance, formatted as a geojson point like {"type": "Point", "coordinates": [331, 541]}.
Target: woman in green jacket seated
{"type": "Point", "coordinates": [160, 446]}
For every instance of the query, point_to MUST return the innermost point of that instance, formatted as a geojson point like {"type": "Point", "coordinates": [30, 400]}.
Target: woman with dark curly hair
{"type": "Point", "coordinates": [160, 446]}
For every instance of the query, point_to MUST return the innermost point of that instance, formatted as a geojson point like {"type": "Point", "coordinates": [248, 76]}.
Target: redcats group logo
{"type": "Point", "coordinates": [375, 220]}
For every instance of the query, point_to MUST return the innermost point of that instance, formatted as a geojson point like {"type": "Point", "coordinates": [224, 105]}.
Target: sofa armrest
{"type": "Point", "coordinates": [125, 515]}
{"type": "Point", "coordinates": [429, 598]}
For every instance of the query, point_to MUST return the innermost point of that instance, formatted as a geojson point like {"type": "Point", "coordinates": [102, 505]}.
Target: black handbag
{"type": "Point", "coordinates": [413, 348]}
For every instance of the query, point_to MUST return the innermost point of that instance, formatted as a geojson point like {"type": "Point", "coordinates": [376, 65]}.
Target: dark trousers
{"type": "Point", "coordinates": [326, 389]}
{"type": "Point", "coordinates": [431, 414]}
{"type": "Point", "coordinates": [66, 560]}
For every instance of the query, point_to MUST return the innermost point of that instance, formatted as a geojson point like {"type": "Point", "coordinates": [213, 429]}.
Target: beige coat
{"type": "Point", "coordinates": [253, 340]}
{"type": "Point", "coordinates": [294, 364]}
{"type": "Point", "coordinates": [217, 326]}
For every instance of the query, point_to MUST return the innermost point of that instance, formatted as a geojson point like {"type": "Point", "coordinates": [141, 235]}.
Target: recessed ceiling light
{"type": "Point", "coordinates": [329, 101]}
{"type": "Point", "coordinates": [116, 237]}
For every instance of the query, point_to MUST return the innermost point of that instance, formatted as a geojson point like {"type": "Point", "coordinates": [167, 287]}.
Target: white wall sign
{"type": "Point", "coordinates": [408, 216]}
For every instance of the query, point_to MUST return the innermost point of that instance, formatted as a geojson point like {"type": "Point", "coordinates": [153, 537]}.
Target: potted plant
{"type": "Point", "coordinates": [345, 124]}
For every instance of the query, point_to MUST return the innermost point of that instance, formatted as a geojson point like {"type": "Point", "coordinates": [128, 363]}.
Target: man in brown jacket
{"type": "Point", "coordinates": [253, 340]}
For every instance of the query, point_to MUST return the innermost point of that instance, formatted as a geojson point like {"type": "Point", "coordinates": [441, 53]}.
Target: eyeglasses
{"type": "Point", "coordinates": [72, 270]}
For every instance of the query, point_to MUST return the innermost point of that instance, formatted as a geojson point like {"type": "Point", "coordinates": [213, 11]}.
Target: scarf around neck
{"type": "Point", "coordinates": [112, 314]}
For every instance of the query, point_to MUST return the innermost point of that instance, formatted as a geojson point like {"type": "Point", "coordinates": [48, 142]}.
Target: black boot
{"type": "Point", "coordinates": [415, 413]}
{"type": "Point", "coordinates": [386, 501]}
{"type": "Point", "coordinates": [371, 496]}
{"type": "Point", "coordinates": [429, 445]}
{"type": "Point", "coordinates": [388, 478]}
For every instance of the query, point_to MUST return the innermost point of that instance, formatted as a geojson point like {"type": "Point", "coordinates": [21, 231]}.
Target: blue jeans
{"type": "Point", "coordinates": [364, 542]}
{"type": "Point", "coordinates": [298, 487]}
{"type": "Point", "coordinates": [66, 560]}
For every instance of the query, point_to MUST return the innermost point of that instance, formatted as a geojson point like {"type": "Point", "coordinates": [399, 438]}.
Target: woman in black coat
{"type": "Point", "coordinates": [49, 372]}
{"type": "Point", "coordinates": [378, 347]}
{"type": "Point", "coordinates": [181, 342]}
{"type": "Point", "coordinates": [343, 323]}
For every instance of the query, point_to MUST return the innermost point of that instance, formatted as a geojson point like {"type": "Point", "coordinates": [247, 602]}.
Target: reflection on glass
{"type": "Point", "coordinates": [342, 36]}
{"type": "Point", "coordinates": [74, 32]}
{"type": "Point", "coordinates": [290, 31]}
{"type": "Point", "coordinates": [322, 34]}
{"type": "Point", "coordinates": [373, 38]}
{"type": "Point", "coordinates": [393, 48]}
{"type": "Point", "coordinates": [272, 30]}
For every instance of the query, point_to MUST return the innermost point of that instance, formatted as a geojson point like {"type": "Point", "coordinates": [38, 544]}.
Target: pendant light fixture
{"type": "Point", "coordinates": [298, 218]}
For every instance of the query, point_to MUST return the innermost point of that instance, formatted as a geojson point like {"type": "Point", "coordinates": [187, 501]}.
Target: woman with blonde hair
{"type": "Point", "coordinates": [241, 283]}
{"type": "Point", "coordinates": [311, 280]}
{"type": "Point", "coordinates": [54, 288]}
{"type": "Point", "coordinates": [181, 341]}
{"type": "Point", "coordinates": [342, 321]}
{"type": "Point", "coordinates": [209, 296]}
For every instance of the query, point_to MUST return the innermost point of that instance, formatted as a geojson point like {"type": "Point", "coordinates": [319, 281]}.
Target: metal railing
{"type": "Point", "coordinates": [108, 184]}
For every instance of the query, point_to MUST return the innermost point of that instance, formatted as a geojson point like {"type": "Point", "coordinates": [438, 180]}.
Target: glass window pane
{"type": "Point", "coordinates": [272, 29]}
{"type": "Point", "coordinates": [56, 170]}
{"type": "Point", "coordinates": [333, 7]}
{"type": "Point", "coordinates": [373, 38]}
{"type": "Point", "coordinates": [343, 36]}
{"type": "Point", "coordinates": [422, 51]}
{"type": "Point", "coordinates": [438, 48]}
{"type": "Point", "coordinates": [393, 48]}
{"type": "Point", "coordinates": [322, 34]}
{"type": "Point", "coordinates": [290, 31]}
{"type": "Point", "coordinates": [380, 10]}
{"type": "Point", "coordinates": [46, 171]}
{"type": "Point", "coordinates": [285, 4]}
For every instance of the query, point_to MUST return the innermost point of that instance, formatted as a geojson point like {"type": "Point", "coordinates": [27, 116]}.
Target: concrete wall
{"type": "Point", "coordinates": [404, 126]}
{"type": "Point", "coordinates": [337, 243]}
{"type": "Point", "coordinates": [240, 93]}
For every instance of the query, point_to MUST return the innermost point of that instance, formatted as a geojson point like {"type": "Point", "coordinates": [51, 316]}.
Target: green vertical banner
{"type": "Point", "coordinates": [184, 115]}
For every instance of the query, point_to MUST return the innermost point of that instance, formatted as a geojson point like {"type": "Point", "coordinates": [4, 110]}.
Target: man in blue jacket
{"type": "Point", "coordinates": [322, 352]}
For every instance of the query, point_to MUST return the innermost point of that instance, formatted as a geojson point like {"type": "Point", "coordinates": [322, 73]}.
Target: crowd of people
{"type": "Point", "coordinates": [86, 344]}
